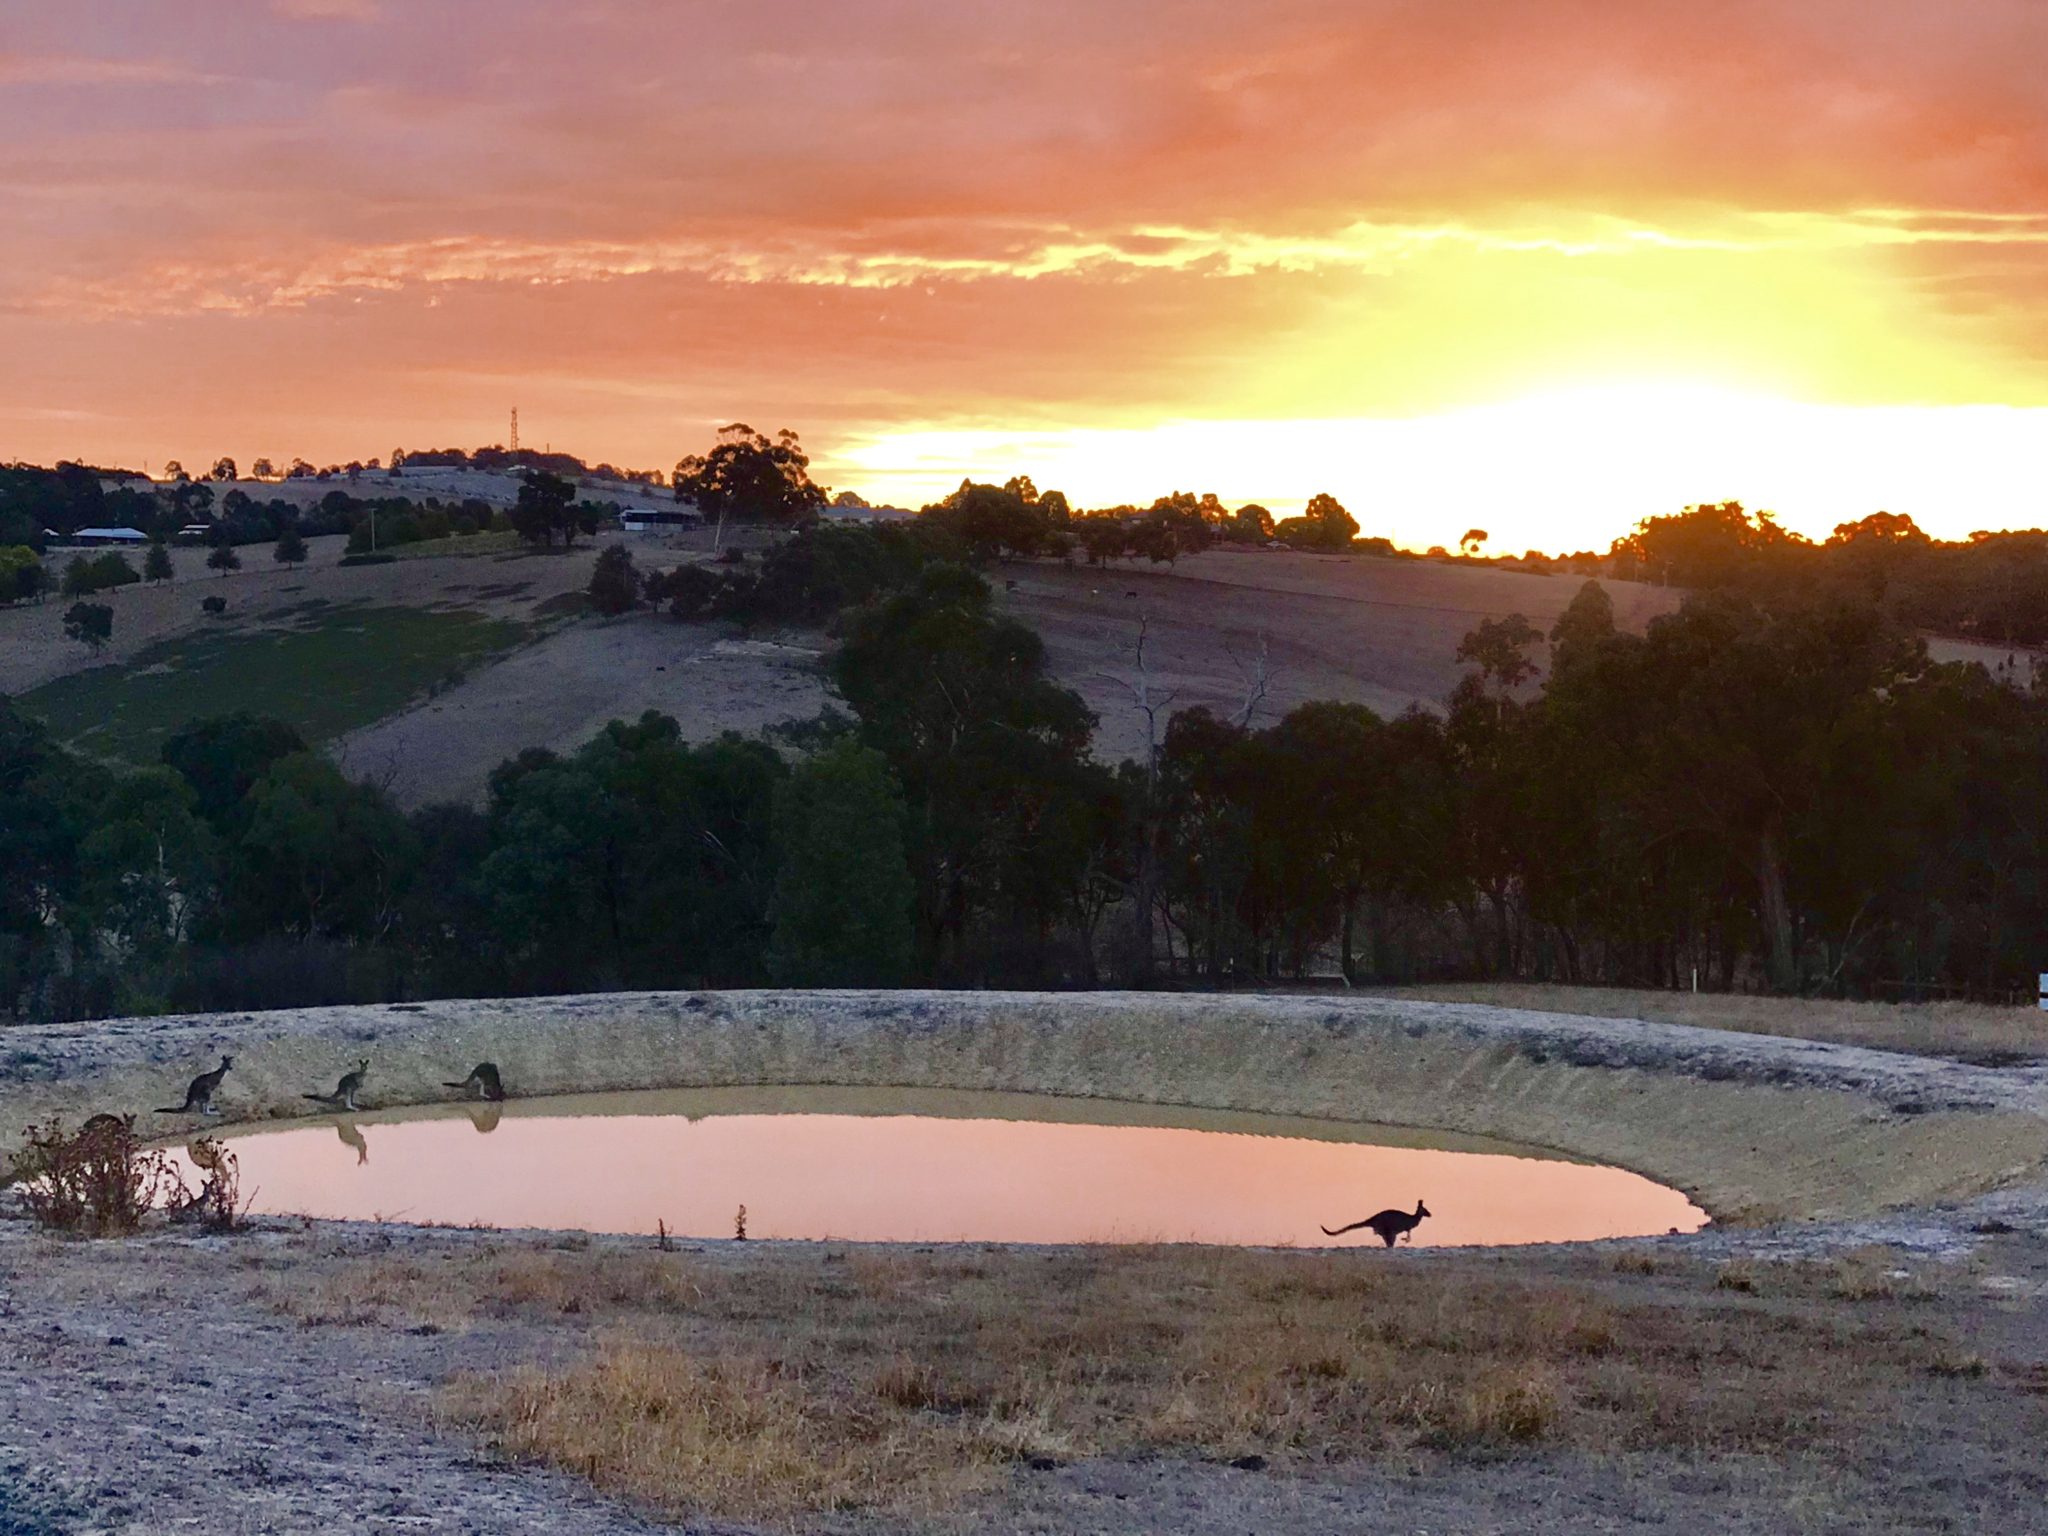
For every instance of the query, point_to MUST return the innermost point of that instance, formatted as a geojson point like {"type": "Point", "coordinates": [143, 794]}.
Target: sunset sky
{"type": "Point", "coordinates": [1541, 266]}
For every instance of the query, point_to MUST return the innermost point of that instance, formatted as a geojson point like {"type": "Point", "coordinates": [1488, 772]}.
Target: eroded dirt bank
{"type": "Point", "coordinates": [1753, 1127]}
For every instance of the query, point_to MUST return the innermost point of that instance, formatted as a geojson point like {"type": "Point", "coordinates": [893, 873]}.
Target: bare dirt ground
{"type": "Point", "coordinates": [562, 690]}
{"type": "Point", "coordinates": [1378, 632]}
{"type": "Point", "coordinates": [2011, 662]}
{"type": "Point", "coordinates": [1383, 633]}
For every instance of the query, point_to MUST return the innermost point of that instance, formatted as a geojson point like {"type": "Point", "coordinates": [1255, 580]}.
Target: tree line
{"type": "Point", "coordinates": [1992, 586]}
{"type": "Point", "coordinates": [1775, 793]}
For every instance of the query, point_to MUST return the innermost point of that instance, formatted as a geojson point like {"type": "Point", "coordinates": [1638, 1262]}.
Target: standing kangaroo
{"type": "Point", "coordinates": [344, 1095]}
{"type": "Point", "coordinates": [1390, 1225]}
{"type": "Point", "coordinates": [483, 1082]}
{"type": "Point", "coordinates": [199, 1096]}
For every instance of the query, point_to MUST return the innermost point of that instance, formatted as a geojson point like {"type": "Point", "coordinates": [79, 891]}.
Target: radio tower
{"type": "Point", "coordinates": [515, 429]}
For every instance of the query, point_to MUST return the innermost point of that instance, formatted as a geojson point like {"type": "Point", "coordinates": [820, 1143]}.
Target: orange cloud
{"type": "Point", "coordinates": [909, 217]}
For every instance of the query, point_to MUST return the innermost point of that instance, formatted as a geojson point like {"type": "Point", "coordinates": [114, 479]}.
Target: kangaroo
{"type": "Point", "coordinates": [344, 1095]}
{"type": "Point", "coordinates": [483, 1082]}
{"type": "Point", "coordinates": [1390, 1225]}
{"type": "Point", "coordinates": [352, 1136]}
{"type": "Point", "coordinates": [485, 1117]}
{"type": "Point", "coordinates": [199, 1096]}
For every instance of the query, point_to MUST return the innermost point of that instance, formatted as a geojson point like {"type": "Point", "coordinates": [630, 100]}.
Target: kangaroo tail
{"type": "Point", "coordinates": [463, 1084]}
{"type": "Point", "coordinates": [1340, 1231]}
{"type": "Point", "coordinates": [173, 1109]}
{"type": "Point", "coordinates": [318, 1098]}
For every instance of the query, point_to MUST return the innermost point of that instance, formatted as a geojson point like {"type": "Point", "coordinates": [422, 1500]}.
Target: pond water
{"type": "Point", "coordinates": [907, 1165]}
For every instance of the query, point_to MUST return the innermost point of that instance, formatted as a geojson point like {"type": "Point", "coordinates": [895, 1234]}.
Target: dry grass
{"type": "Point", "coordinates": [806, 1382]}
{"type": "Point", "coordinates": [1976, 1032]}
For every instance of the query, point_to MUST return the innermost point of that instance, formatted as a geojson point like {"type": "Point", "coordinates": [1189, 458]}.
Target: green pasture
{"type": "Point", "coordinates": [326, 670]}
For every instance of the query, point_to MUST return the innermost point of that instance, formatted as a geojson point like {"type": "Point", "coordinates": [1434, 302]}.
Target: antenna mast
{"type": "Point", "coordinates": [515, 429]}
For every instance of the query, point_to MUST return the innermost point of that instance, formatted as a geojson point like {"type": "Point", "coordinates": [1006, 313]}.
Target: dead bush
{"type": "Point", "coordinates": [99, 1181]}
{"type": "Point", "coordinates": [217, 1204]}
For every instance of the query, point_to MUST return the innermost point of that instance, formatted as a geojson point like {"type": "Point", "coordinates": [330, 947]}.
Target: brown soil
{"type": "Point", "coordinates": [561, 691]}
{"type": "Point", "coordinates": [1383, 633]}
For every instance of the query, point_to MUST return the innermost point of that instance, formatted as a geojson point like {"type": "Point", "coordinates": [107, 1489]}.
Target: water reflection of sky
{"type": "Point", "coordinates": [904, 1165]}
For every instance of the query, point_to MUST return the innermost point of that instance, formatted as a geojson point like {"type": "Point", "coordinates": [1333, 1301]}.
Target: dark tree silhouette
{"type": "Point", "coordinates": [1324, 524]}
{"type": "Point", "coordinates": [91, 623]}
{"type": "Point", "coordinates": [614, 583]}
{"type": "Point", "coordinates": [547, 507]}
{"type": "Point", "coordinates": [747, 477]}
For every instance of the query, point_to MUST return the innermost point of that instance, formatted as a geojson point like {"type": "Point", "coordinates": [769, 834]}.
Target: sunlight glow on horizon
{"type": "Point", "coordinates": [1558, 470]}
{"type": "Point", "coordinates": [1545, 268]}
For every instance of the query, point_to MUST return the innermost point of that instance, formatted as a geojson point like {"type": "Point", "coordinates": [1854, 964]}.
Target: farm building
{"type": "Point", "coordinates": [97, 538]}
{"type": "Point", "coordinates": [659, 519]}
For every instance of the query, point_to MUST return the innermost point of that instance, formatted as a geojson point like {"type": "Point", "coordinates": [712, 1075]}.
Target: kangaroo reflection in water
{"type": "Point", "coordinates": [484, 1117]}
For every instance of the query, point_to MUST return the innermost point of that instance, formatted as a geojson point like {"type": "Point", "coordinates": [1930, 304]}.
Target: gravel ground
{"type": "Point", "coordinates": [185, 1407]}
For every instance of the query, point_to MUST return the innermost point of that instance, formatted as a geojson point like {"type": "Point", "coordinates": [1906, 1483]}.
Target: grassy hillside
{"type": "Point", "coordinates": [325, 669]}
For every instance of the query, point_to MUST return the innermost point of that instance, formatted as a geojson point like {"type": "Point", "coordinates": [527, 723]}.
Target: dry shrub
{"type": "Point", "coordinates": [1959, 1362]}
{"type": "Point", "coordinates": [218, 1204]}
{"type": "Point", "coordinates": [494, 1284]}
{"type": "Point", "coordinates": [99, 1182]}
{"type": "Point", "coordinates": [1511, 1405]}
{"type": "Point", "coordinates": [1874, 1274]}
{"type": "Point", "coordinates": [759, 1437]}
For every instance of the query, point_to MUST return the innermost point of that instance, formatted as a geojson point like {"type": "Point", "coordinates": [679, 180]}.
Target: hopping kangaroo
{"type": "Point", "coordinates": [199, 1096]}
{"type": "Point", "coordinates": [1390, 1225]}
{"type": "Point", "coordinates": [344, 1095]}
{"type": "Point", "coordinates": [483, 1082]}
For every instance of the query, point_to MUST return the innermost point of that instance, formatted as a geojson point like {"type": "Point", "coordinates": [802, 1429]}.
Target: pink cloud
{"type": "Point", "coordinates": [970, 208]}
{"type": "Point", "coordinates": [327, 10]}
